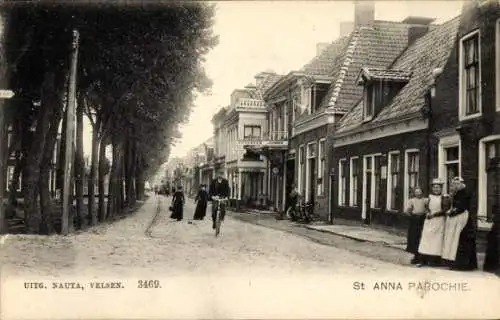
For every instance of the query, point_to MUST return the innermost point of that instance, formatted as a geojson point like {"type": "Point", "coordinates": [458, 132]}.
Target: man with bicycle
{"type": "Point", "coordinates": [219, 189]}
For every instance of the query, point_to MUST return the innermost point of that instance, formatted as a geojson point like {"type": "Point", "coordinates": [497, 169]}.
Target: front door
{"type": "Point", "coordinates": [493, 188]}
{"type": "Point", "coordinates": [290, 178]}
{"type": "Point", "coordinates": [312, 179]}
{"type": "Point", "coordinates": [368, 199]}
{"type": "Point", "coordinates": [367, 192]}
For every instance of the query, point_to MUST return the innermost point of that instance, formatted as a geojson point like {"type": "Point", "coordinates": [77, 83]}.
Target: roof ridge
{"type": "Point", "coordinates": [437, 28]}
{"type": "Point", "coordinates": [351, 47]}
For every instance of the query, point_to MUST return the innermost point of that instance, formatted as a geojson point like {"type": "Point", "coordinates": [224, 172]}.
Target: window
{"type": "Point", "coordinates": [412, 173]}
{"type": "Point", "coordinates": [393, 180]}
{"type": "Point", "coordinates": [497, 50]}
{"type": "Point", "coordinates": [470, 76]}
{"type": "Point", "coordinates": [311, 150]}
{"type": "Point", "coordinates": [372, 96]}
{"type": "Point", "coordinates": [368, 110]}
{"type": "Point", "coordinates": [321, 167]}
{"type": "Point", "coordinates": [451, 164]}
{"type": "Point", "coordinates": [251, 132]}
{"type": "Point", "coordinates": [301, 168]}
{"type": "Point", "coordinates": [343, 182]}
{"type": "Point", "coordinates": [353, 194]}
{"type": "Point", "coordinates": [378, 181]}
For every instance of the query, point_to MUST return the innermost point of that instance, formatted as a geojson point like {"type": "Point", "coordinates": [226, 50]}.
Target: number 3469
{"type": "Point", "coordinates": [148, 284]}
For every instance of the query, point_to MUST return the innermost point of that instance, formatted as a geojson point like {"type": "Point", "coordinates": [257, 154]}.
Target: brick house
{"type": "Point", "coordinates": [380, 146]}
{"type": "Point", "coordinates": [451, 79]}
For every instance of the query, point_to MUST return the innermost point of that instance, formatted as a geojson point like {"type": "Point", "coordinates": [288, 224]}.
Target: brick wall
{"type": "Point", "coordinates": [446, 102]}
{"type": "Point", "coordinates": [303, 139]}
{"type": "Point", "coordinates": [401, 142]}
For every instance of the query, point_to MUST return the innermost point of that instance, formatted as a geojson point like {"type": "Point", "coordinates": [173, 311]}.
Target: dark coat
{"type": "Point", "coordinates": [220, 189]}
{"type": "Point", "coordinates": [201, 205]}
{"type": "Point", "coordinates": [178, 205]}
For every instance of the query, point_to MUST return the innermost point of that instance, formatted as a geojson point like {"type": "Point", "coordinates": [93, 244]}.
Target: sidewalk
{"type": "Point", "coordinates": [363, 233]}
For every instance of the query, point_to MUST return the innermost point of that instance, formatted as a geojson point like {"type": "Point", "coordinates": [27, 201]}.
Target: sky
{"type": "Point", "coordinates": [281, 36]}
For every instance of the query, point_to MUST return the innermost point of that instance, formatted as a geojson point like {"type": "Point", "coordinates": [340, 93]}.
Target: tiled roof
{"type": "Point", "coordinates": [267, 82]}
{"type": "Point", "coordinates": [424, 55]}
{"type": "Point", "coordinates": [377, 46]}
{"type": "Point", "coordinates": [384, 74]}
{"type": "Point", "coordinates": [323, 63]}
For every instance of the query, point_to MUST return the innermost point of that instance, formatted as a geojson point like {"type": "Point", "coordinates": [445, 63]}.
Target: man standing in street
{"type": "Point", "coordinates": [219, 188]}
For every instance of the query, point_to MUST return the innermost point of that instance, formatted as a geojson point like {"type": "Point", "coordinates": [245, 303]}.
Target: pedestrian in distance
{"type": "Point", "coordinates": [430, 247]}
{"type": "Point", "coordinates": [178, 204]}
{"type": "Point", "coordinates": [219, 188]}
{"type": "Point", "coordinates": [459, 244]}
{"type": "Point", "coordinates": [416, 209]}
{"type": "Point", "coordinates": [201, 203]}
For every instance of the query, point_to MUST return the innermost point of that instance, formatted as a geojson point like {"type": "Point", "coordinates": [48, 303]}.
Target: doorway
{"type": "Point", "coordinates": [312, 179]}
{"type": "Point", "coordinates": [368, 193]}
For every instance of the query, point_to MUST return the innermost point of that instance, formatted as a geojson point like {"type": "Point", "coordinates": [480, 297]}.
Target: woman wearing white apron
{"type": "Point", "coordinates": [431, 242]}
{"type": "Point", "coordinates": [459, 247]}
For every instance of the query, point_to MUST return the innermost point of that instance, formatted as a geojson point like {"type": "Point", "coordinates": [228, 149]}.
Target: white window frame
{"type": "Point", "coordinates": [339, 196]}
{"type": "Point", "coordinates": [497, 58]}
{"type": "Point", "coordinates": [482, 175]}
{"type": "Point", "coordinates": [461, 75]}
{"type": "Point", "coordinates": [10, 172]}
{"type": "Point", "coordinates": [389, 178]}
{"type": "Point", "coordinates": [301, 151]}
{"type": "Point", "coordinates": [351, 182]}
{"type": "Point", "coordinates": [445, 143]}
{"type": "Point", "coordinates": [368, 87]}
{"type": "Point", "coordinates": [405, 172]}
{"type": "Point", "coordinates": [321, 169]}
{"type": "Point", "coordinates": [366, 158]}
{"type": "Point", "coordinates": [308, 187]}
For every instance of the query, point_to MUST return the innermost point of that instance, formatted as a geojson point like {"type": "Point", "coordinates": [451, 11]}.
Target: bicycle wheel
{"type": "Point", "coordinates": [217, 223]}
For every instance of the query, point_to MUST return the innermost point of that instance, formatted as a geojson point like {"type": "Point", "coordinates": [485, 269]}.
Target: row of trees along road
{"type": "Point", "coordinates": [139, 68]}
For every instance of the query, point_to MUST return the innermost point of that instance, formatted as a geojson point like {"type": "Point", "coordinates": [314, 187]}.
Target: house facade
{"type": "Point", "coordinates": [380, 147]}
{"type": "Point", "coordinates": [242, 123]}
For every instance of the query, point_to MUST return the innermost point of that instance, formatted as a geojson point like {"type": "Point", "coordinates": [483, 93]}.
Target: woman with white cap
{"type": "Point", "coordinates": [431, 242]}
{"type": "Point", "coordinates": [459, 245]}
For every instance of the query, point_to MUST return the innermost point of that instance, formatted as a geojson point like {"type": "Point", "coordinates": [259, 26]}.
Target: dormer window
{"type": "Point", "coordinates": [371, 93]}
{"type": "Point", "coordinates": [380, 86]}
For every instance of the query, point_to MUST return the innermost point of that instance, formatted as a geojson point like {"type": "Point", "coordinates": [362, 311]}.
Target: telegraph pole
{"type": "Point", "coordinates": [67, 221]}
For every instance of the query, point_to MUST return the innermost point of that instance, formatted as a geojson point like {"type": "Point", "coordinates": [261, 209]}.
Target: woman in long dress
{"type": "Point", "coordinates": [178, 204]}
{"type": "Point", "coordinates": [431, 243]}
{"type": "Point", "coordinates": [459, 246]}
{"type": "Point", "coordinates": [417, 207]}
{"type": "Point", "coordinates": [201, 203]}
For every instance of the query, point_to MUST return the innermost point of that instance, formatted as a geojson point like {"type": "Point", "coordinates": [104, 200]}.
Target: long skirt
{"type": "Point", "coordinates": [431, 242]}
{"type": "Point", "coordinates": [414, 233]}
{"type": "Point", "coordinates": [453, 228]}
{"type": "Point", "coordinates": [201, 210]}
{"type": "Point", "coordinates": [178, 211]}
{"type": "Point", "coordinates": [466, 258]}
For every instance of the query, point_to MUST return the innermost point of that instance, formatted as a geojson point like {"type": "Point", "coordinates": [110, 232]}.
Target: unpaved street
{"type": "Point", "coordinates": [173, 248]}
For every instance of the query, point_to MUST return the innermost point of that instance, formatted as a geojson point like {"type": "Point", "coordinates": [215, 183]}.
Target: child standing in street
{"type": "Point", "coordinates": [416, 209]}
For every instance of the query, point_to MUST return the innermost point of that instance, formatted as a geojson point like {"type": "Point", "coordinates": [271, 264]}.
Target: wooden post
{"type": "Point", "coordinates": [67, 225]}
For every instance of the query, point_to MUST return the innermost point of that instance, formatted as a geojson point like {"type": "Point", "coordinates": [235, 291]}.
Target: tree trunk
{"type": "Point", "coordinates": [102, 173]}
{"type": "Point", "coordinates": [139, 178]}
{"type": "Point", "coordinates": [46, 168]}
{"type": "Point", "coordinates": [93, 172]}
{"type": "Point", "coordinates": [79, 167]}
{"type": "Point", "coordinates": [130, 175]}
{"type": "Point", "coordinates": [31, 172]}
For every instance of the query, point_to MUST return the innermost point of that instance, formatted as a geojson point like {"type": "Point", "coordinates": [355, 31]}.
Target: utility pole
{"type": "Point", "coordinates": [67, 221]}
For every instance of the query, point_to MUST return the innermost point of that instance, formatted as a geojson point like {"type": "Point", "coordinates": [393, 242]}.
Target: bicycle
{"type": "Point", "coordinates": [218, 220]}
{"type": "Point", "coordinates": [304, 212]}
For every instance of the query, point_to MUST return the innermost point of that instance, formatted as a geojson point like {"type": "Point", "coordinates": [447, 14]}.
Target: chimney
{"type": "Point", "coordinates": [320, 47]}
{"type": "Point", "coordinates": [417, 27]}
{"type": "Point", "coordinates": [346, 28]}
{"type": "Point", "coordinates": [364, 12]}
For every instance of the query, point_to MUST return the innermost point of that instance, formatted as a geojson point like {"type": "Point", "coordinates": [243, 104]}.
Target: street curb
{"type": "Point", "coordinates": [390, 245]}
